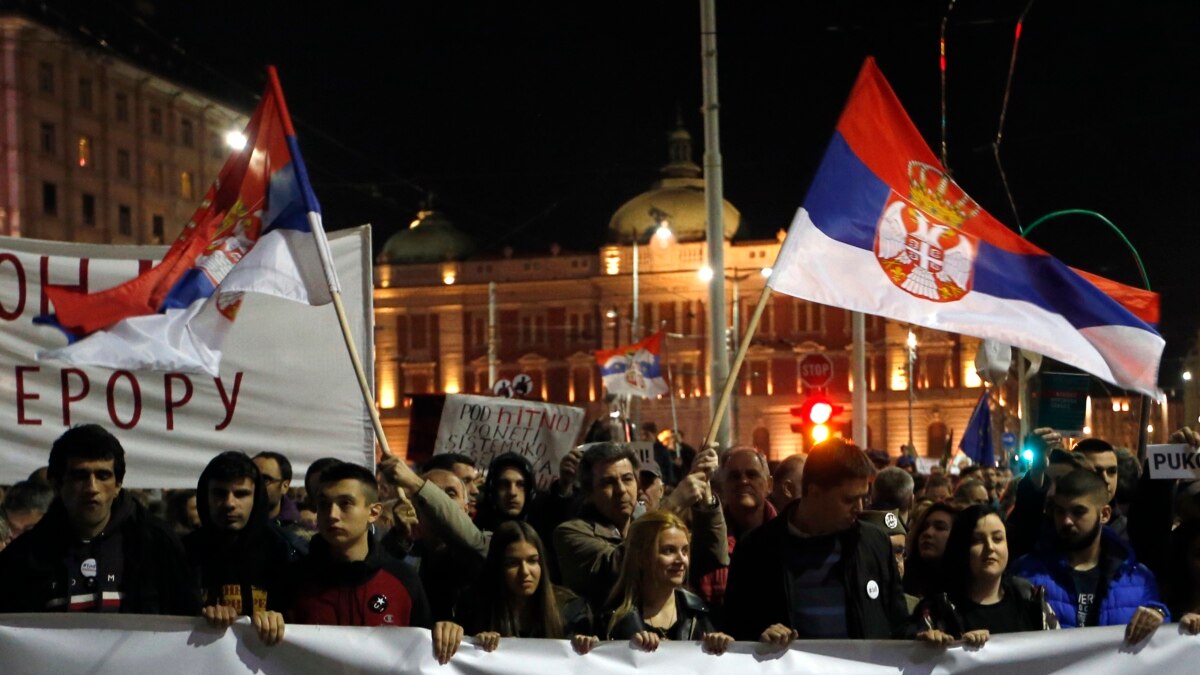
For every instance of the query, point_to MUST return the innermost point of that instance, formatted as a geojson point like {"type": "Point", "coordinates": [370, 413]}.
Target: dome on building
{"type": "Point", "coordinates": [431, 238]}
{"type": "Point", "coordinates": [677, 199]}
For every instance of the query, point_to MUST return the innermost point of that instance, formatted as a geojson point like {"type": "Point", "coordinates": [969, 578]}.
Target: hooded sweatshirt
{"type": "Point", "coordinates": [245, 569]}
{"type": "Point", "coordinates": [490, 516]}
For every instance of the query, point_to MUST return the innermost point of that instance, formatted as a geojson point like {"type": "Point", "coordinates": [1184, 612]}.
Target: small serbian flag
{"type": "Point", "coordinates": [258, 230]}
{"type": "Point", "coordinates": [884, 230]}
{"type": "Point", "coordinates": [634, 369]}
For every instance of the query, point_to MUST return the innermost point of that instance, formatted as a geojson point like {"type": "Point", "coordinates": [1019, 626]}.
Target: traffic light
{"type": "Point", "coordinates": [816, 415]}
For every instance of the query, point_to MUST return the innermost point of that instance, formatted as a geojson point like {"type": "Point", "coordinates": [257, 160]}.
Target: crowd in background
{"type": "Point", "coordinates": [700, 546]}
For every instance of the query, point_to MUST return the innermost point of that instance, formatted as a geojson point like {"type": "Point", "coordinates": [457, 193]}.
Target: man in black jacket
{"type": "Point", "coordinates": [815, 572]}
{"type": "Point", "coordinates": [242, 560]}
{"type": "Point", "coordinates": [96, 550]}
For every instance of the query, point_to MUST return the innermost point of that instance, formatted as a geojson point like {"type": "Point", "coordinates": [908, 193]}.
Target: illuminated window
{"type": "Point", "coordinates": [185, 185]}
{"type": "Point", "coordinates": [971, 378]}
{"type": "Point", "coordinates": [612, 261]}
{"type": "Point", "coordinates": [85, 151]}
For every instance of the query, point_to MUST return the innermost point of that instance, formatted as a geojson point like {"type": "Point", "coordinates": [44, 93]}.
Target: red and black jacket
{"type": "Point", "coordinates": [377, 591]}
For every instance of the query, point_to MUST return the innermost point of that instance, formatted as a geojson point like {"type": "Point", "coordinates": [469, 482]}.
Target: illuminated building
{"type": "Point", "coordinates": [553, 309]}
{"type": "Point", "coordinates": [98, 149]}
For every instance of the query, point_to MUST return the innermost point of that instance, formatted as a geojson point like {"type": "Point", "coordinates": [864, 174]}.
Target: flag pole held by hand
{"type": "Point", "coordinates": [731, 381]}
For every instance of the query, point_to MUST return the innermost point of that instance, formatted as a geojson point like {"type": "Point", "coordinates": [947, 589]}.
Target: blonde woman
{"type": "Point", "coordinates": [649, 603]}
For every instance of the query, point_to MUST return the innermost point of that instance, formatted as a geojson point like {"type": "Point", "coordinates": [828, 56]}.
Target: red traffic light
{"type": "Point", "coordinates": [816, 410]}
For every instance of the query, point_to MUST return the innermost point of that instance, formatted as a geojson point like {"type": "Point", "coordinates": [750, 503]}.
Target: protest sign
{"type": "Point", "coordinates": [483, 427]}
{"type": "Point", "coordinates": [1174, 460]}
{"type": "Point", "coordinates": [67, 644]}
{"type": "Point", "coordinates": [1062, 402]}
{"type": "Point", "coordinates": [285, 384]}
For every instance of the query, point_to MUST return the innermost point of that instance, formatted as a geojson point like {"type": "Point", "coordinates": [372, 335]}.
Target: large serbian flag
{"type": "Point", "coordinates": [634, 369]}
{"type": "Point", "coordinates": [258, 230]}
{"type": "Point", "coordinates": [884, 230]}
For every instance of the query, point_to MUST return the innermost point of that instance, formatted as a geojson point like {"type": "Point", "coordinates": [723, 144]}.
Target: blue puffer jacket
{"type": "Point", "coordinates": [1126, 584]}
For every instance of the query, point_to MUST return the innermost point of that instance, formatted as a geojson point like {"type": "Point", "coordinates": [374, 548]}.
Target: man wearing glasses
{"type": "Point", "coordinates": [282, 512]}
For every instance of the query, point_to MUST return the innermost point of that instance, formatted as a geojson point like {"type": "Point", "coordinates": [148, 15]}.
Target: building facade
{"type": "Point", "coordinates": [96, 149]}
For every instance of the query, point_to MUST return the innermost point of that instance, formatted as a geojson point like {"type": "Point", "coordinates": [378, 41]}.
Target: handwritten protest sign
{"type": "Point", "coordinates": [1175, 460]}
{"type": "Point", "coordinates": [483, 427]}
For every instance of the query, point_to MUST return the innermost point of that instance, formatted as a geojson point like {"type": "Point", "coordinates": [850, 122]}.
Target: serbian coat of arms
{"type": "Point", "coordinates": [918, 241]}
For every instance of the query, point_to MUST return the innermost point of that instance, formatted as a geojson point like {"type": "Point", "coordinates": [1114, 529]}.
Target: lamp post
{"type": "Point", "coordinates": [662, 232]}
{"type": "Point", "coordinates": [911, 342]}
{"type": "Point", "coordinates": [740, 274]}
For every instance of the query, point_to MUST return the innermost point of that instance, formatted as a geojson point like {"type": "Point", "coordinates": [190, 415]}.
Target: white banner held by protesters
{"type": "Point", "coordinates": [1174, 460]}
{"type": "Point", "coordinates": [285, 383]}
{"type": "Point", "coordinates": [38, 643]}
{"type": "Point", "coordinates": [483, 427]}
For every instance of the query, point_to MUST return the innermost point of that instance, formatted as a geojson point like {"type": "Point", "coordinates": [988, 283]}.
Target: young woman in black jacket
{"type": "Point", "coordinates": [649, 603]}
{"type": "Point", "coordinates": [515, 597]}
{"type": "Point", "coordinates": [977, 598]}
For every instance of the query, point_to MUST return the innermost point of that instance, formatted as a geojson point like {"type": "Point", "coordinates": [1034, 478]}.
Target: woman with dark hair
{"type": "Point", "coordinates": [508, 492]}
{"type": "Point", "coordinates": [514, 596]}
{"type": "Point", "coordinates": [648, 604]}
{"type": "Point", "coordinates": [1182, 582]}
{"type": "Point", "coordinates": [978, 598]}
{"type": "Point", "coordinates": [926, 543]}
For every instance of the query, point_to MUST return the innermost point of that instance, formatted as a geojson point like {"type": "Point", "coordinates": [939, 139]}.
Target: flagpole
{"type": "Point", "coordinates": [731, 381]}
{"type": "Point", "coordinates": [318, 229]}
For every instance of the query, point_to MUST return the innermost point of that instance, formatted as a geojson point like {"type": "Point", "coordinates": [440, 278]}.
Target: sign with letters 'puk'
{"type": "Point", "coordinates": [1174, 460]}
{"type": "Point", "coordinates": [483, 427]}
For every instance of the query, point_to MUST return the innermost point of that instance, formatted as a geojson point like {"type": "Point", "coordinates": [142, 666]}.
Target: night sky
{"type": "Point", "coordinates": [531, 122]}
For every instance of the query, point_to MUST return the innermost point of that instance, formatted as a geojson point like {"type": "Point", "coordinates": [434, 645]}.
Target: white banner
{"type": "Point", "coordinates": [483, 427]}
{"type": "Point", "coordinates": [67, 644]}
{"type": "Point", "coordinates": [286, 383]}
{"type": "Point", "coordinates": [1175, 460]}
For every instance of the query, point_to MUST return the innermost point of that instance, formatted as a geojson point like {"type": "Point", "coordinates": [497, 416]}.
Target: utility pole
{"type": "Point", "coordinates": [715, 201]}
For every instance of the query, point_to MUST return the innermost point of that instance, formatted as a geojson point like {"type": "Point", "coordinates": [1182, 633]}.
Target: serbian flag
{"type": "Point", "coordinates": [884, 230]}
{"type": "Point", "coordinates": [258, 230]}
{"type": "Point", "coordinates": [634, 369]}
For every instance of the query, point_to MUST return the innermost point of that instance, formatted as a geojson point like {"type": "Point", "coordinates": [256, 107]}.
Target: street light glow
{"type": "Point", "coordinates": [236, 140]}
{"type": "Point", "coordinates": [663, 233]}
{"type": "Point", "coordinates": [766, 272]}
{"type": "Point", "coordinates": [1187, 376]}
{"type": "Point", "coordinates": [705, 273]}
{"type": "Point", "coordinates": [912, 340]}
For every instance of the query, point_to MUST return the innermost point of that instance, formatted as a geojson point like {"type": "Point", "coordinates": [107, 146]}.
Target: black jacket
{"type": "Point", "coordinates": [759, 595]}
{"type": "Point", "coordinates": [256, 559]}
{"type": "Point", "coordinates": [939, 612]}
{"type": "Point", "coordinates": [692, 620]}
{"type": "Point", "coordinates": [156, 578]}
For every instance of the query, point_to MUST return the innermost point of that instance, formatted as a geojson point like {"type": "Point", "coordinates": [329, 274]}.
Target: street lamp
{"type": "Point", "coordinates": [662, 232]}
{"type": "Point", "coordinates": [911, 343]}
{"type": "Point", "coordinates": [236, 140]}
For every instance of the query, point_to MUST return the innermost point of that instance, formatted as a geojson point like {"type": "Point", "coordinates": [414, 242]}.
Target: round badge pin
{"type": "Point", "coordinates": [872, 589]}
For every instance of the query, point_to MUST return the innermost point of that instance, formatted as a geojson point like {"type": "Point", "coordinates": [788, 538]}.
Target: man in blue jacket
{"type": "Point", "coordinates": [1091, 577]}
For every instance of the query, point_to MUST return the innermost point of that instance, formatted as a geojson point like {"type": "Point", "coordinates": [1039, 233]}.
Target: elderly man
{"type": "Point", "coordinates": [744, 483]}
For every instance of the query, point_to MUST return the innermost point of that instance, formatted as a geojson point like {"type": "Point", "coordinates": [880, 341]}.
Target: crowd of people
{"type": "Point", "coordinates": [701, 546]}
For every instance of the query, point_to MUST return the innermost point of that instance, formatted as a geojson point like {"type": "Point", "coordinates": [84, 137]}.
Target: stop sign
{"type": "Point", "coordinates": [816, 370]}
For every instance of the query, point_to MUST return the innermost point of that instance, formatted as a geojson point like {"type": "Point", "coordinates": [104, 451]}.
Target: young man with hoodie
{"type": "Point", "coordinates": [96, 549]}
{"type": "Point", "coordinates": [243, 562]}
